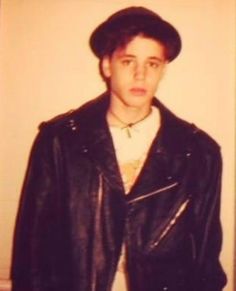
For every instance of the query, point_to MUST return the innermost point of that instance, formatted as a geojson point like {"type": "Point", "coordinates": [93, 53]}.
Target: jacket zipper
{"type": "Point", "coordinates": [96, 231]}
{"type": "Point", "coordinates": [142, 197]}
{"type": "Point", "coordinates": [171, 223]}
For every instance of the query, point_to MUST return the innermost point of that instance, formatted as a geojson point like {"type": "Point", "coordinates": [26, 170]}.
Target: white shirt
{"type": "Point", "coordinates": [132, 145]}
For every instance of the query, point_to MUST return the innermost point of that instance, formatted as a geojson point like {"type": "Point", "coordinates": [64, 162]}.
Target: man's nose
{"type": "Point", "coordinates": [139, 72]}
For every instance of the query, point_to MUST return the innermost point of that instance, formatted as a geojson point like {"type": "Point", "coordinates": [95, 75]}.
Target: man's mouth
{"type": "Point", "coordinates": [138, 91]}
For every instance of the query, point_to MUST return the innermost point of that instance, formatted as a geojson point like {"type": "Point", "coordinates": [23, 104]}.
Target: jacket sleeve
{"type": "Point", "coordinates": [34, 226]}
{"type": "Point", "coordinates": [209, 273]}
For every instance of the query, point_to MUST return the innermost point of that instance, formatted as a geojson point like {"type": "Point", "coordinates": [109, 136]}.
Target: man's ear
{"type": "Point", "coordinates": [105, 67]}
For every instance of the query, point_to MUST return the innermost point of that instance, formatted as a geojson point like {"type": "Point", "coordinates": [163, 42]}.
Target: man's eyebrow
{"type": "Point", "coordinates": [126, 56]}
{"type": "Point", "coordinates": [154, 58]}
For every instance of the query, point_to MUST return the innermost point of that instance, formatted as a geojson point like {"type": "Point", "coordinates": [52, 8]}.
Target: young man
{"type": "Point", "coordinates": [121, 194]}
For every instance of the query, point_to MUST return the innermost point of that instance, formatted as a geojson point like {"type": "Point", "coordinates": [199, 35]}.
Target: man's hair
{"type": "Point", "coordinates": [120, 38]}
{"type": "Point", "coordinates": [119, 29]}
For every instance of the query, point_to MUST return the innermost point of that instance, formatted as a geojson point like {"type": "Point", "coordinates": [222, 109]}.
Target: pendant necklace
{"type": "Point", "coordinates": [128, 126]}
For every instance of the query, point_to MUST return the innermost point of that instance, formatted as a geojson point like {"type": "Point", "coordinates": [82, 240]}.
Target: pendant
{"type": "Point", "coordinates": [128, 132]}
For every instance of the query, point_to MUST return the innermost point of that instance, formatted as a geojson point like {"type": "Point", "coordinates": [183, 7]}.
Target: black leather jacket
{"type": "Point", "coordinates": [74, 215]}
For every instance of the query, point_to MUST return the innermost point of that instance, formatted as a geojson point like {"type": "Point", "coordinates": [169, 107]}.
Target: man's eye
{"type": "Point", "coordinates": [153, 65]}
{"type": "Point", "coordinates": [126, 62]}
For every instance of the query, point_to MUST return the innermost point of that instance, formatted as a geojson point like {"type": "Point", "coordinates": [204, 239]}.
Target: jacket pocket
{"type": "Point", "coordinates": [170, 223]}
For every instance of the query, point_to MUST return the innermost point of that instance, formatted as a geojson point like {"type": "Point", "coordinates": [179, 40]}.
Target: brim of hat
{"type": "Point", "coordinates": [99, 36]}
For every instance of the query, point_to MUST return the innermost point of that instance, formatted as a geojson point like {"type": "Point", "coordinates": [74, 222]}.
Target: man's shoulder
{"type": "Point", "coordinates": [205, 142]}
{"type": "Point", "coordinates": [198, 140]}
{"type": "Point", "coordinates": [75, 117]}
{"type": "Point", "coordinates": [184, 134]}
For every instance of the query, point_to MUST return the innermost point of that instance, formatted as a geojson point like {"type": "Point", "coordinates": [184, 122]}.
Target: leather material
{"type": "Point", "coordinates": [74, 214]}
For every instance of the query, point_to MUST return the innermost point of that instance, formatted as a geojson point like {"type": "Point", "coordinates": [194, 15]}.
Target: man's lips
{"type": "Point", "coordinates": [138, 91]}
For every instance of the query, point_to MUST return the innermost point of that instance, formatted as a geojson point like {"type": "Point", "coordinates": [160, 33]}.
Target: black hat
{"type": "Point", "coordinates": [121, 26]}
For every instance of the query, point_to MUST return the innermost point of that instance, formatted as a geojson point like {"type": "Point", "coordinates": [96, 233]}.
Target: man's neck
{"type": "Point", "coordinates": [123, 115]}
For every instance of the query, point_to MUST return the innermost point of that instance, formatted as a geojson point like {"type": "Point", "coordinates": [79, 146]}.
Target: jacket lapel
{"type": "Point", "coordinates": [100, 145]}
{"type": "Point", "coordinates": [103, 153]}
{"type": "Point", "coordinates": [167, 161]}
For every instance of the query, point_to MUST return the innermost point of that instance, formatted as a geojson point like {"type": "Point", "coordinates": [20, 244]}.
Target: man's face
{"type": "Point", "coordinates": [135, 71]}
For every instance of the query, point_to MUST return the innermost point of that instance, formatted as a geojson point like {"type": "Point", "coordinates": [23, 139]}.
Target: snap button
{"type": "Point", "coordinates": [72, 124]}
{"type": "Point", "coordinates": [84, 149]}
{"type": "Point", "coordinates": [159, 150]}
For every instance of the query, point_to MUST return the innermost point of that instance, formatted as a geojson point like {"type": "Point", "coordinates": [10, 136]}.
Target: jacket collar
{"type": "Point", "coordinates": [171, 143]}
{"type": "Point", "coordinates": [173, 135]}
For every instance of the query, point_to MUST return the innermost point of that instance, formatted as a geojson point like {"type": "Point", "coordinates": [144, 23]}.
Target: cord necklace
{"type": "Point", "coordinates": [128, 126]}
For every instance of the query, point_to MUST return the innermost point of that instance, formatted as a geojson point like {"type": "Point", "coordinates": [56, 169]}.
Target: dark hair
{"type": "Point", "coordinates": [124, 25]}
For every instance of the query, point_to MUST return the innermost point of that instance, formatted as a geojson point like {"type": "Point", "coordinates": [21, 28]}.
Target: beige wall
{"type": "Point", "coordinates": [47, 69]}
